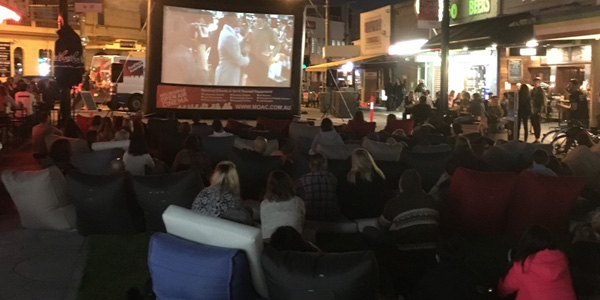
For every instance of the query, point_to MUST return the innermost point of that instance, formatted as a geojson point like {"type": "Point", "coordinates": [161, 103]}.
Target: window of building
{"type": "Point", "coordinates": [18, 61]}
{"type": "Point", "coordinates": [100, 18]}
{"type": "Point", "coordinates": [45, 62]}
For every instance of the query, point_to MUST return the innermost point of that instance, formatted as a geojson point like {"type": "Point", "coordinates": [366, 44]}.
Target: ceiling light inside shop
{"type": "Point", "coordinates": [465, 48]}
{"type": "Point", "coordinates": [407, 47]}
{"type": "Point", "coordinates": [531, 44]}
{"type": "Point", "coordinates": [348, 67]}
{"type": "Point", "coordinates": [494, 46]}
{"type": "Point", "coordinates": [528, 51]}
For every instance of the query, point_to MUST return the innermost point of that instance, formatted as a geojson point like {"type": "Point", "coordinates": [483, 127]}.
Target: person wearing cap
{"type": "Point", "coordinates": [578, 104]}
{"type": "Point", "coordinates": [538, 102]}
{"type": "Point", "coordinates": [231, 60]}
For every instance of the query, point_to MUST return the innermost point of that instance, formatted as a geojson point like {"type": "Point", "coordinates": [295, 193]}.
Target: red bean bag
{"type": "Point", "coordinates": [236, 125]}
{"type": "Point", "coordinates": [360, 129]}
{"type": "Point", "coordinates": [542, 200]}
{"type": "Point", "coordinates": [406, 125]}
{"type": "Point", "coordinates": [83, 122]}
{"type": "Point", "coordinates": [477, 202]}
{"type": "Point", "coordinates": [273, 124]}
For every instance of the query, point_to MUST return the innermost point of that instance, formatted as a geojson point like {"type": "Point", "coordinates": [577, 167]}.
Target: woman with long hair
{"type": "Point", "coordinates": [539, 269]}
{"type": "Point", "coordinates": [524, 111]}
{"type": "Point", "coordinates": [281, 206]}
{"type": "Point", "coordinates": [363, 193]}
{"type": "Point", "coordinates": [137, 157]}
{"type": "Point", "coordinates": [107, 131]}
{"type": "Point", "coordinates": [192, 156]}
{"type": "Point", "coordinates": [222, 194]}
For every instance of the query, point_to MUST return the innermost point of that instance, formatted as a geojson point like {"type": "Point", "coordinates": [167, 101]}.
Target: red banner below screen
{"type": "Point", "coordinates": [182, 97]}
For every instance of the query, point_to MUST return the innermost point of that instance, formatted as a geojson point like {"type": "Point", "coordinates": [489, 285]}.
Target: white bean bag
{"type": "Point", "coordinates": [340, 152]}
{"type": "Point", "coordinates": [239, 143]}
{"type": "Point", "coordinates": [41, 199]}
{"type": "Point", "coordinates": [212, 231]}
{"type": "Point", "coordinates": [77, 145]}
{"type": "Point", "coordinates": [382, 151]}
{"type": "Point", "coordinates": [99, 146]}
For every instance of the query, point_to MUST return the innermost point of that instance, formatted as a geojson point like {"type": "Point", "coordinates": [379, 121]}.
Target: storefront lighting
{"type": "Point", "coordinates": [528, 51]}
{"type": "Point", "coordinates": [507, 86]}
{"type": "Point", "coordinates": [494, 46]}
{"type": "Point", "coordinates": [465, 48]}
{"type": "Point", "coordinates": [407, 47]}
{"type": "Point", "coordinates": [348, 67]}
{"type": "Point", "coordinates": [44, 68]}
{"type": "Point", "coordinates": [532, 44]}
{"type": "Point", "coordinates": [6, 13]}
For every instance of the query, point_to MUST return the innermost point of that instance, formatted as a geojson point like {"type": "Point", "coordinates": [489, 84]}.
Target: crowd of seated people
{"type": "Point", "coordinates": [407, 215]}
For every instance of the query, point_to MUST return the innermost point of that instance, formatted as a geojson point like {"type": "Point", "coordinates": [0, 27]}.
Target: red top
{"type": "Point", "coordinates": [545, 275]}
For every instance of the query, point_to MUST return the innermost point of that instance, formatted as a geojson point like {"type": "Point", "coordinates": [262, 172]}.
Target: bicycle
{"type": "Point", "coordinates": [565, 138]}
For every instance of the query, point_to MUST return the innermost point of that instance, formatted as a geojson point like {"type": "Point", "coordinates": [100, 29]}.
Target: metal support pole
{"type": "Point", "coordinates": [443, 104]}
{"type": "Point", "coordinates": [327, 29]}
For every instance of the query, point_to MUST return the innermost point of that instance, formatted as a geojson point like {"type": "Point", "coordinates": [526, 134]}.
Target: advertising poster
{"type": "Point", "coordinates": [428, 14]}
{"type": "Point", "coordinates": [4, 59]}
{"type": "Point", "coordinates": [217, 98]}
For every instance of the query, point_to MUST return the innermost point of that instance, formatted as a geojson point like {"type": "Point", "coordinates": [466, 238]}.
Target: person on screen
{"type": "Point", "coordinates": [231, 60]}
{"type": "Point", "coordinates": [180, 64]}
{"type": "Point", "coordinates": [262, 38]}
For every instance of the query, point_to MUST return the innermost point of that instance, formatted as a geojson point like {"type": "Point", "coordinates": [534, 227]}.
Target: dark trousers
{"type": "Point", "coordinates": [536, 122]}
{"type": "Point", "coordinates": [522, 119]}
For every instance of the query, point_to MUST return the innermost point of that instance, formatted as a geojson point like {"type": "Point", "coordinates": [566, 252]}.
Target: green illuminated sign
{"type": "Point", "coordinates": [477, 7]}
{"type": "Point", "coordinates": [453, 11]}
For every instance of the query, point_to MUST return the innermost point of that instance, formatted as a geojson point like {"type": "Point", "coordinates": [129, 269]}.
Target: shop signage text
{"type": "Point", "coordinates": [373, 26]}
{"type": "Point", "coordinates": [477, 7]}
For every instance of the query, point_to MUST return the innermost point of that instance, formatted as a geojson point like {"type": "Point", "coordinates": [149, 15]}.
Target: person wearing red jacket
{"type": "Point", "coordinates": [539, 270]}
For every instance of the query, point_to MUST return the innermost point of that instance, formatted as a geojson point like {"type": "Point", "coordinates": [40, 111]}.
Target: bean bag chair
{"type": "Point", "coordinates": [83, 122]}
{"type": "Point", "coordinates": [273, 124]}
{"type": "Point", "coordinates": [585, 163]}
{"type": "Point", "coordinates": [99, 146]}
{"type": "Point", "coordinates": [513, 156]}
{"type": "Point", "coordinates": [440, 148]}
{"type": "Point", "coordinates": [429, 165]}
{"type": "Point", "coordinates": [341, 152]}
{"type": "Point", "coordinates": [239, 143]}
{"type": "Point", "coordinates": [78, 146]}
{"type": "Point", "coordinates": [393, 171]}
{"type": "Point", "coordinates": [294, 275]}
{"type": "Point", "coordinates": [383, 151]}
{"type": "Point", "coordinates": [155, 193]}
{"type": "Point", "coordinates": [542, 200]}
{"type": "Point", "coordinates": [359, 130]}
{"type": "Point", "coordinates": [201, 130]}
{"type": "Point", "coordinates": [406, 125]}
{"type": "Point", "coordinates": [41, 199]}
{"type": "Point", "coordinates": [218, 148]}
{"type": "Point", "coordinates": [217, 232]}
{"type": "Point", "coordinates": [254, 171]}
{"type": "Point", "coordinates": [297, 131]}
{"type": "Point", "coordinates": [236, 125]}
{"type": "Point", "coordinates": [103, 204]}
{"type": "Point", "coordinates": [96, 162]}
{"type": "Point", "coordinates": [181, 269]}
{"type": "Point", "coordinates": [477, 202]}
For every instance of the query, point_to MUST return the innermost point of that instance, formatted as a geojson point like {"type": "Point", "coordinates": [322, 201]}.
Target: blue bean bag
{"type": "Point", "coordinates": [181, 269]}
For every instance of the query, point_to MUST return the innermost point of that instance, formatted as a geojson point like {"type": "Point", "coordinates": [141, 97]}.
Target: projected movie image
{"type": "Point", "coordinates": [216, 48]}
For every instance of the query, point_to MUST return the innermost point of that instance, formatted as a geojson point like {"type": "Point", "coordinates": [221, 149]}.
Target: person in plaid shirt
{"type": "Point", "coordinates": [317, 189]}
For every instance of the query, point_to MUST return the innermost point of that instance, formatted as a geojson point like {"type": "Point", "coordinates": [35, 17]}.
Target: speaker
{"type": "Point", "coordinates": [331, 77]}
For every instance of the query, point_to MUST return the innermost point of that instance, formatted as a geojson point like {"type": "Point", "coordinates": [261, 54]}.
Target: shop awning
{"type": "Point", "coordinates": [334, 64]}
{"type": "Point", "coordinates": [503, 31]}
{"type": "Point", "coordinates": [582, 25]}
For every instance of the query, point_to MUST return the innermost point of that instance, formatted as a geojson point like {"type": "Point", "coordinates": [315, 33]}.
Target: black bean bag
{"type": "Point", "coordinates": [218, 148]}
{"type": "Point", "coordinates": [429, 165]}
{"type": "Point", "coordinates": [155, 193]}
{"type": "Point", "coordinates": [104, 204]}
{"type": "Point", "coordinates": [254, 170]}
{"type": "Point", "coordinates": [96, 162]}
{"type": "Point", "coordinates": [299, 275]}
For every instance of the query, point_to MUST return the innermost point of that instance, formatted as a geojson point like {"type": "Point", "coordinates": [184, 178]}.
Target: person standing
{"type": "Point", "coordinates": [538, 103]}
{"type": "Point", "coordinates": [231, 60]}
{"type": "Point", "coordinates": [399, 92]}
{"type": "Point", "coordinates": [262, 38]}
{"type": "Point", "coordinates": [524, 111]}
{"type": "Point", "coordinates": [580, 111]}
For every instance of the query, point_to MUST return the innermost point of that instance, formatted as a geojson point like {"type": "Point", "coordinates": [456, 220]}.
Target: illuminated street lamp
{"type": "Point", "coordinates": [8, 14]}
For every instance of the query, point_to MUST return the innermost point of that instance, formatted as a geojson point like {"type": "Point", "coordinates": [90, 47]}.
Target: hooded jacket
{"type": "Point", "coordinates": [544, 275]}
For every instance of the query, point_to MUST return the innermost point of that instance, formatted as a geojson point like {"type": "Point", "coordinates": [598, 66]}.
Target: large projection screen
{"type": "Point", "coordinates": [218, 57]}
